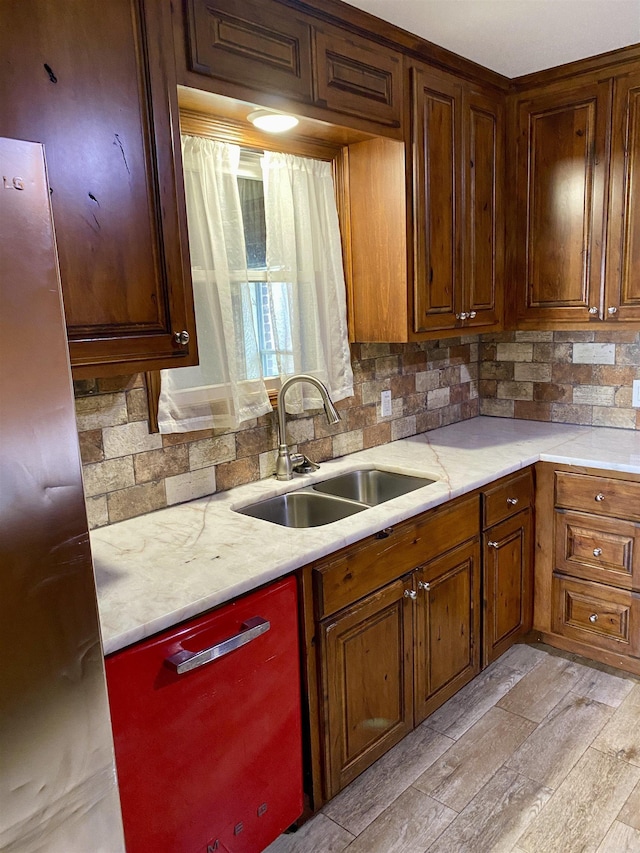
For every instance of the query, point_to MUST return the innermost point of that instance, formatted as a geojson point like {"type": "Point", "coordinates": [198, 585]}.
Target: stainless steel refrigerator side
{"type": "Point", "coordinates": [57, 775]}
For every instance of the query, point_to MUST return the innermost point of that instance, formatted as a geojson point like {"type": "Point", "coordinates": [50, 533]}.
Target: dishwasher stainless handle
{"type": "Point", "coordinates": [185, 661]}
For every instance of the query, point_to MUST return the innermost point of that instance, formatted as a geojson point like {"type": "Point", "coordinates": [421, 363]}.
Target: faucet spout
{"type": "Point", "coordinates": [285, 461]}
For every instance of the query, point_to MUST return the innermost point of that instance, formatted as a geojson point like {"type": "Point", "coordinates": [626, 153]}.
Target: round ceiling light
{"type": "Point", "coordinates": [272, 122]}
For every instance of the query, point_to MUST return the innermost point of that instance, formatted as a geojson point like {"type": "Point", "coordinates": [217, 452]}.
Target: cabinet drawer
{"type": "Point", "coordinates": [599, 495]}
{"type": "Point", "coordinates": [598, 549]}
{"type": "Point", "coordinates": [507, 497]}
{"type": "Point", "coordinates": [368, 565]}
{"type": "Point", "coordinates": [596, 614]}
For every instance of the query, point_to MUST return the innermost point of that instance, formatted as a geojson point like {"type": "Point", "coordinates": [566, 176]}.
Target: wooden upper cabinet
{"type": "Point", "coordinates": [255, 44]}
{"type": "Point", "coordinates": [265, 46]}
{"type": "Point", "coordinates": [561, 169]}
{"type": "Point", "coordinates": [457, 203]}
{"type": "Point", "coordinates": [82, 77]}
{"type": "Point", "coordinates": [622, 290]}
{"type": "Point", "coordinates": [357, 77]}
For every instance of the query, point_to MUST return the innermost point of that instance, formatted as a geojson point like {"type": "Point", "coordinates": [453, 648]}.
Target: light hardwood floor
{"type": "Point", "coordinates": [539, 754]}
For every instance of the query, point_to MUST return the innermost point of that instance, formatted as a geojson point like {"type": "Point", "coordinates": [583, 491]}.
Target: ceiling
{"type": "Point", "coordinates": [516, 37]}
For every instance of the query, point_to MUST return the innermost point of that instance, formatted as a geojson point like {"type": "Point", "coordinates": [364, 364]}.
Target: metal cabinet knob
{"type": "Point", "coordinates": [597, 552]}
{"type": "Point", "coordinates": [593, 618]}
{"type": "Point", "coordinates": [492, 544]}
{"type": "Point", "coordinates": [410, 593]}
{"type": "Point", "coordinates": [612, 310]}
{"type": "Point", "coordinates": [593, 309]}
{"type": "Point", "coordinates": [512, 501]}
{"type": "Point", "coordinates": [425, 585]}
{"type": "Point", "coordinates": [599, 497]}
{"type": "Point", "coordinates": [384, 534]}
{"type": "Point", "coordinates": [462, 316]}
{"type": "Point", "coordinates": [472, 314]}
{"type": "Point", "coordinates": [181, 338]}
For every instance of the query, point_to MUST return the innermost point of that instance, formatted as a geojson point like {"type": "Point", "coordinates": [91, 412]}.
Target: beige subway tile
{"type": "Point", "coordinates": [191, 485]}
{"type": "Point", "coordinates": [267, 463]}
{"type": "Point", "coordinates": [427, 380]}
{"type": "Point", "coordinates": [515, 391]}
{"type": "Point", "coordinates": [403, 428]}
{"type": "Point", "coordinates": [100, 411]}
{"type": "Point", "coordinates": [574, 336]}
{"type": "Point", "coordinates": [525, 336]}
{"type": "Point", "coordinates": [258, 440]}
{"type": "Point", "coordinates": [137, 404]}
{"type": "Point", "coordinates": [97, 512]}
{"type": "Point", "coordinates": [594, 353]}
{"type": "Point", "coordinates": [497, 408]}
{"type": "Point", "coordinates": [137, 500]}
{"type": "Point", "coordinates": [212, 451]}
{"type": "Point", "coordinates": [514, 352]}
{"type": "Point", "coordinates": [531, 372]}
{"type": "Point", "coordinates": [593, 395]}
{"type": "Point", "coordinates": [621, 418]}
{"type": "Point", "coordinates": [438, 398]}
{"type": "Point", "coordinates": [130, 438]}
{"type": "Point", "coordinates": [348, 442]}
{"type": "Point", "coordinates": [108, 476]}
{"type": "Point", "coordinates": [564, 413]}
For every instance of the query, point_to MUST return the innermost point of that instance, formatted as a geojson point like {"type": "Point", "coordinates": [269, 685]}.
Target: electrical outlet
{"type": "Point", "coordinates": [635, 398]}
{"type": "Point", "coordinates": [385, 404]}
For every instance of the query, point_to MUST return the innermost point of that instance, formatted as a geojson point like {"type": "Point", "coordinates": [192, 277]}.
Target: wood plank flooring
{"type": "Point", "coordinates": [539, 754]}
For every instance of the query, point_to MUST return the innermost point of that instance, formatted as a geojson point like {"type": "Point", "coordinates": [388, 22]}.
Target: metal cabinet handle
{"type": "Point", "coordinates": [593, 309]}
{"type": "Point", "coordinates": [425, 585]}
{"type": "Point", "coordinates": [597, 552]}
{"type": "Point", "coordinates": [493, 544]}
{"type": "Point", "coordinates": [593, 618]}
{"type": "Point", "coordinates": [181, 338]}
{"type": "Point", "coordinates": [599, 497]}
{"type": "Point", "coordinates": [410, 593]}
{"type": "Point", "coordinates": [512, 501]}
{"type": "Point", "coordinates": [185, 661]}
{"type": "Point", "coordinates": [612, 310]}
{"type": "Point", "coordinates": [384, 534]}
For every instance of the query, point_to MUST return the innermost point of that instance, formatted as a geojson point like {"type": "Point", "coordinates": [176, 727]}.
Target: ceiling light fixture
{"type": "Point", "coordinates": [272, 122]}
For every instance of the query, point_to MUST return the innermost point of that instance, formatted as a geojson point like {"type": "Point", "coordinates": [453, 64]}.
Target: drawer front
{"type": "Point", "coordinates": [600, 549]}
{"type": "Point", "coordinates": [598, 495]}
{"type": "Point", "coordinates": [374, 562]}
{"type": "Point", "coordinates": [596, 614]}
{"type": "Point", "coordinates": [508, 497]}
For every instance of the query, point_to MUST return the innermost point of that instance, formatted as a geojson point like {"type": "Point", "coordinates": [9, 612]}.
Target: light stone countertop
{"type": "Point", "coordinates": [159, 569]}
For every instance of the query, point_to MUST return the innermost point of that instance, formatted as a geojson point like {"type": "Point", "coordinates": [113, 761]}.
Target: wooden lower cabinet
{"type": "Point", "coordinates": [367, 654]}
{"type": "Point", "coordinates": [507, 587]}
{"type": "Point", "coordinates": [447, 627]}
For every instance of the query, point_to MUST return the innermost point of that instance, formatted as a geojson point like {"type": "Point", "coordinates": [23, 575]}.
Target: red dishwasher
{"type": "Point", "coordinates": [206, 723]}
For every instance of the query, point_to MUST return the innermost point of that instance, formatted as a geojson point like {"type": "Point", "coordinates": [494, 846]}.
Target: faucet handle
{"type": "Point", "coordinates": [302, 464]}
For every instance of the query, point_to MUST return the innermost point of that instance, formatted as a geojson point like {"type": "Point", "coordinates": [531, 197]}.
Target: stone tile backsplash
{"type": "Point", "coordinates": [129, 472]}
{"type": "Point", "coordinates": [580, 377]}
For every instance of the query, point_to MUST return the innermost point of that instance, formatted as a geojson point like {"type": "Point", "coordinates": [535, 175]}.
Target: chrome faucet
{"type": "Point", "coordinates": [287, 462]}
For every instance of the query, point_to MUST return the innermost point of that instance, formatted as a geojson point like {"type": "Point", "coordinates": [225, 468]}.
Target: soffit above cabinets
{"type": "Point", "coordinates": [516, 37]}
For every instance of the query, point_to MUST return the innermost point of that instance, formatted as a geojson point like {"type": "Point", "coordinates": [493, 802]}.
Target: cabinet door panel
{"type": "Point", "coordinates": [562, 163]}
{"type": "Point", "coordinates": [507, 584]}
{"type": "Point", "coordinates": [437, 198]}
{"type": "Point", "coordinates": [482, 290]}
{"type": "Point", "coordinates": [78, 77]}
{"type": "Point", "coordinates": [263, 47]}
{"type": "Point", "coordinates": [367, 657]}
{"type": "Point", "coordinates": [357, 77]}
{"type": "Point", "coordinates": [447, 627]}
{"type": "Point", "coordinates": [623, 249]}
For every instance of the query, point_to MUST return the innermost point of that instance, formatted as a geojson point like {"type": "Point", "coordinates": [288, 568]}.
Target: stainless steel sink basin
{"type": "Point", "coordinates": [302, 509]}
{"type": "Point", "coordinates": [371, 487]}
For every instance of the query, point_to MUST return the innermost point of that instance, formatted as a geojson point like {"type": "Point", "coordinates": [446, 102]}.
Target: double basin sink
{"type": "Point", "coordinates": [334, 499]}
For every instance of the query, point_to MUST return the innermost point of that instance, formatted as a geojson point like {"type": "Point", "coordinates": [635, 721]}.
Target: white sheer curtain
{"type": "Point", "coordinates": [226, 388]}
{"type": "Point", "coordinates": [305, 291]}
{"type": "Point", "coordinates": [304, 252]}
